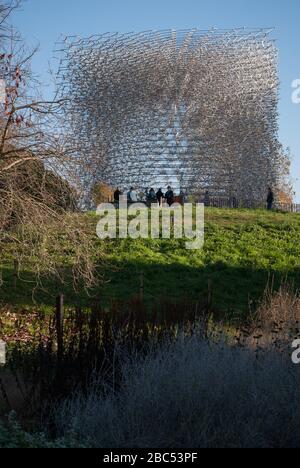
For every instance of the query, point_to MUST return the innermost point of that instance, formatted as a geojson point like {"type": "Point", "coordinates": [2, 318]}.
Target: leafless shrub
{"type": "Point", "coordinates": [191, 393]}
{"type": "Point", "coordinates": [38, 171]}
{"type": "Point", "coordinates": [59, 246]}
{"type": "Point", "coordinates": [185, 387]}
{"type": "Point", "coordinates": [276, 322]}
{"type": "Point", "coordinates": [239, 390]}
{"type": "Point", "coordinates": [282, 306]}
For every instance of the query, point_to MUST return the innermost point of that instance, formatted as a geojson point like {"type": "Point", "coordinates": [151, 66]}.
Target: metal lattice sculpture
{"type": "Point", "coordinates": [193, 109]}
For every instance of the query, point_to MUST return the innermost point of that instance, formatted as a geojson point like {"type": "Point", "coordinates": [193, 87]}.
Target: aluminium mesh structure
{"type": "Point", "coordinates": [193, 109]}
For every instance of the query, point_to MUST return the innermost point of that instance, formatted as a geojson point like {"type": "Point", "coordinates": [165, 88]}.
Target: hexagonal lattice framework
{"type": "Point", "coordinates": [194, 109]}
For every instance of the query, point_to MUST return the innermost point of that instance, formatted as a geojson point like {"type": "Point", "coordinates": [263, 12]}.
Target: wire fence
{"type": "Point", "coordinates": [232, 203]}
{"type": "Point", "coordinates": [226, 202]}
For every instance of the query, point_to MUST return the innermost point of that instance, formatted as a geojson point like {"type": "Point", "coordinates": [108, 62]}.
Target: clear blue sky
{"type": "Point", "coordinates": [44, 21]}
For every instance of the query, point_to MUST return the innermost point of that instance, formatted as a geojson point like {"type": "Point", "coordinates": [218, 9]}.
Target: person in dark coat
{"type": "Point", "coordinates": [160, 196]}
{"type": "Point", "coordinates": [206, 198]}
{"type": "Point", "coordinates": [117, 195]}
{"type": "Point", "coordinates": [169, 196]}
{"type": "Point", "coordinates": [270, 199]}
{"type": "Point", "coordinates": [152, 196]}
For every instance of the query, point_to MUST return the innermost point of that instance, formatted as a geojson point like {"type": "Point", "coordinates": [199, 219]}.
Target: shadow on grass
{"type": "Point", "coordinates": [26, 291]}
{"type": "Point", "coordinates": [233, 289]}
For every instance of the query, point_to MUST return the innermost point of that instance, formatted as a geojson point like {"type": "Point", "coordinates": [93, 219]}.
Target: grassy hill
{"type": "Point", "coordinates": [243, 250]}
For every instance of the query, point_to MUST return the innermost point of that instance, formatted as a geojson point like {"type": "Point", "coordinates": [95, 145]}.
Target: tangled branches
{"type": "Point", "coordinates": [38, 194]}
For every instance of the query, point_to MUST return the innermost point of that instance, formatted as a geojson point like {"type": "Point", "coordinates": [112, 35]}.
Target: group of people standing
{"type": "Point", "coordinates": [158, 197]}
{"type": "Point", "coordinates": [151, 196]}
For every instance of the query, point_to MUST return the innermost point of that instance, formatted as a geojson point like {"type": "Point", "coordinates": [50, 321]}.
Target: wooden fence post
{"type": "Point", "coordinates": [60, 326]}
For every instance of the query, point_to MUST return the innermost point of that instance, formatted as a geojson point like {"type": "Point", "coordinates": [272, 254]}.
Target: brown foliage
{"type": "Point", "coordinates": [37, 170]}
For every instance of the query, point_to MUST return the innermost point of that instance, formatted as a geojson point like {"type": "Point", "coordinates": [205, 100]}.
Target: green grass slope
{"type": "Point", "coordinates": [243, 250]}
